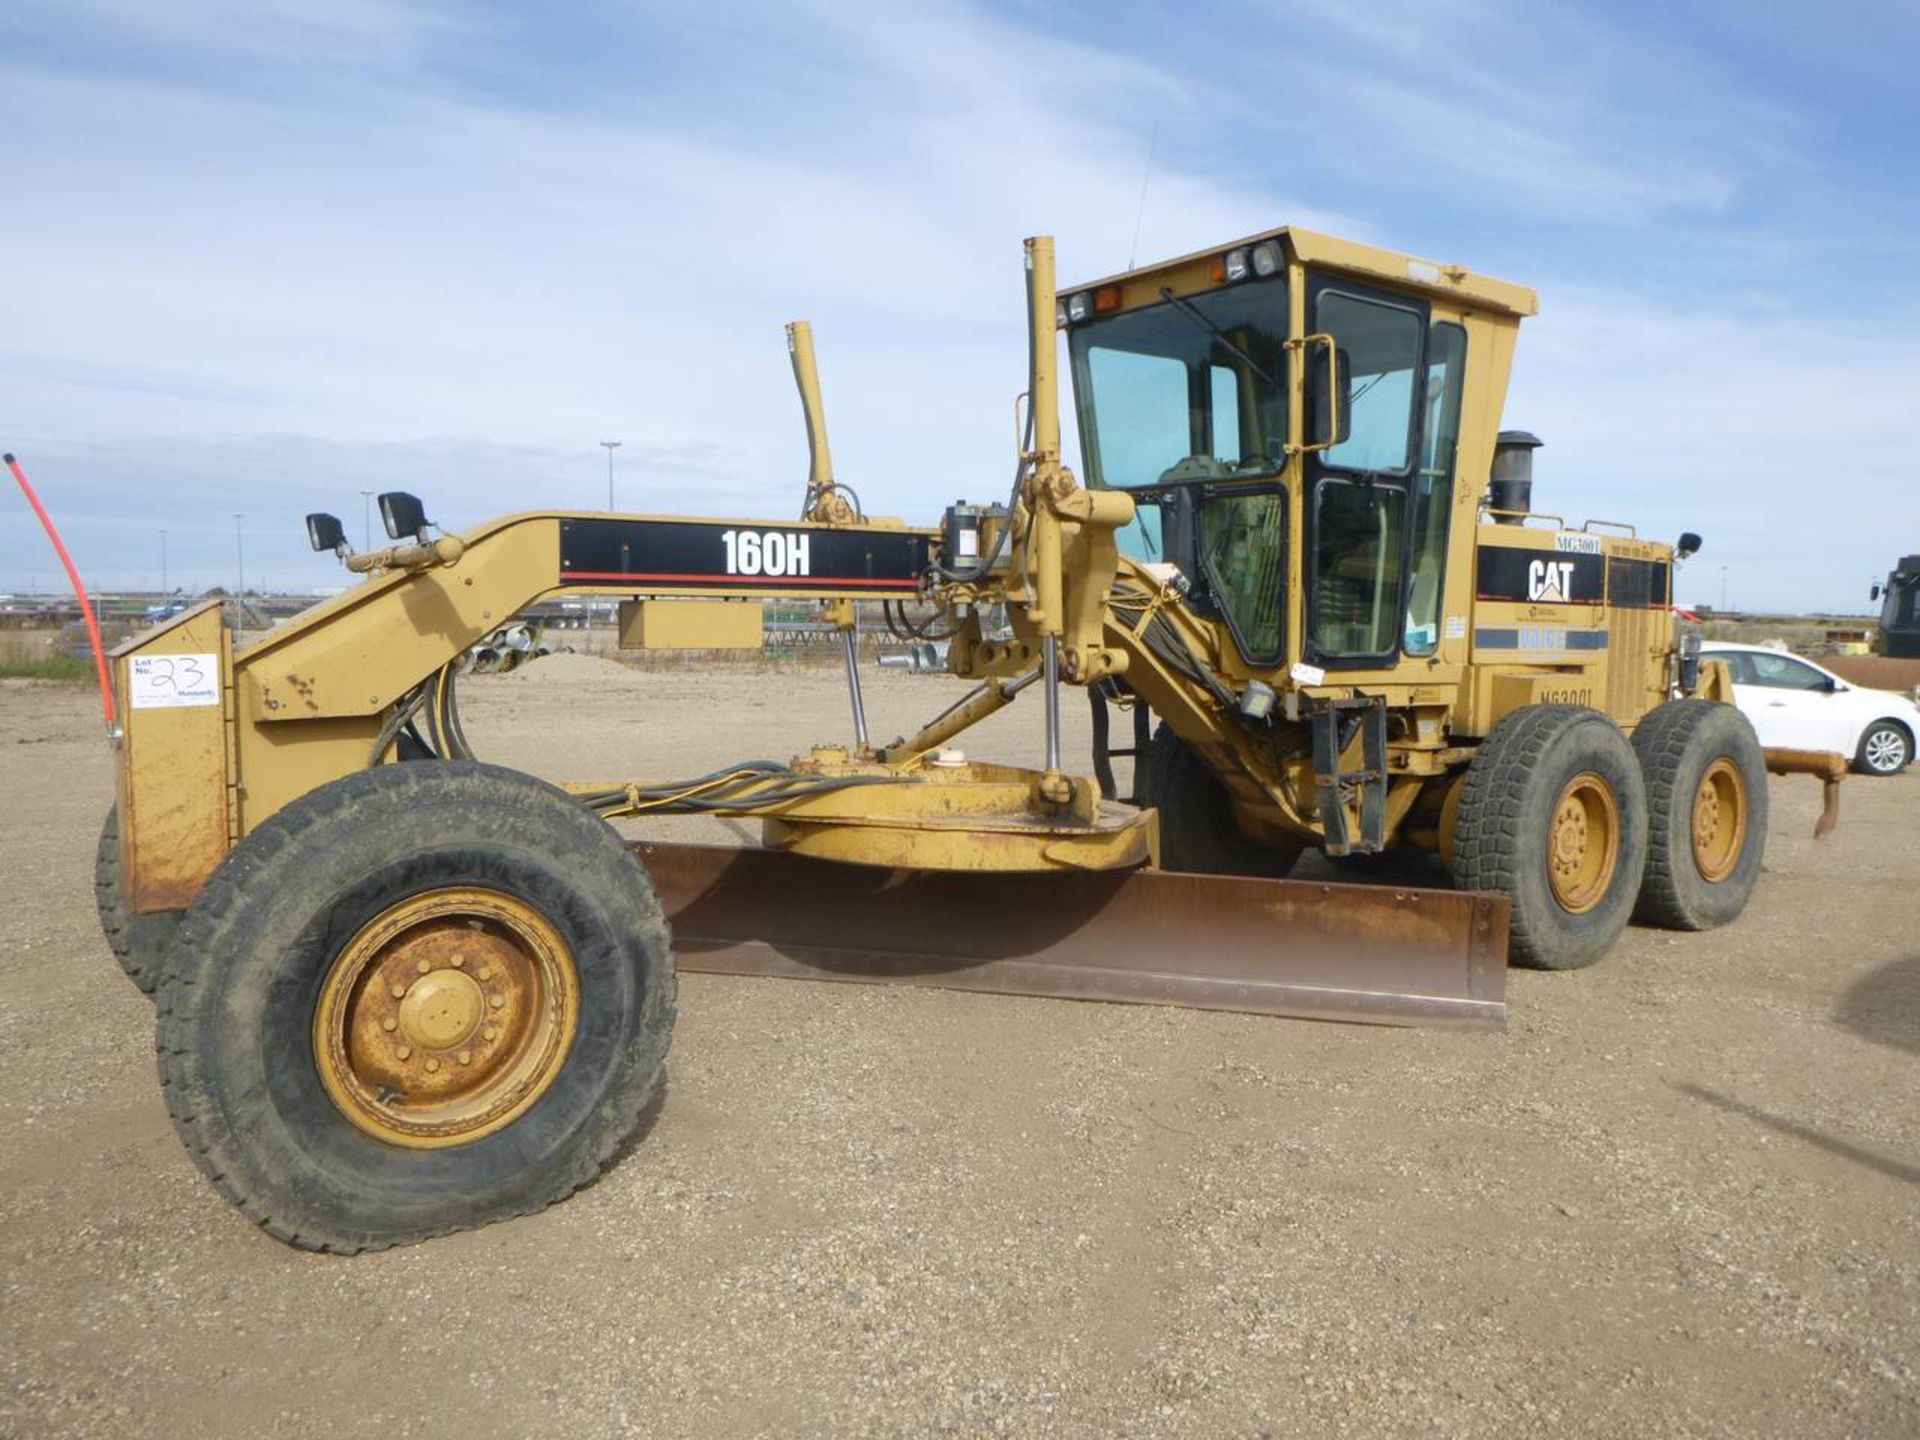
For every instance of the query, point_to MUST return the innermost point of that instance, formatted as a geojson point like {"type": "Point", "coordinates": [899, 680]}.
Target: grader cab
{"type": "Point", "coordinates": [402, 991]}
{"type": "Point", "coordinates": [1309, 429]}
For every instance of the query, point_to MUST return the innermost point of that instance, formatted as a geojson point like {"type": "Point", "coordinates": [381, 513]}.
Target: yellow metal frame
{"type": "Point", "coordinates": [661, 624]}
{"type": "Point", "coordinates": [304, 704]}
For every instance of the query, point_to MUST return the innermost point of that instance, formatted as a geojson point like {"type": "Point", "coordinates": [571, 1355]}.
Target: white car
{"type": "Point", "coordinates": [1796, 705]}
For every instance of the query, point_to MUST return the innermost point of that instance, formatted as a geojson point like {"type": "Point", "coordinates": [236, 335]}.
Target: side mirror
{"type": "Point", "coordinates": [1330, 382]}
{"type": "Point", "coordinates": [1875, 593]}
{"type": "Point", "coordinates": [324, 532]}
{"type": "Point", "coordinates": [402, 514]}
{"type": "Point", "coordinates": [1687, 546]}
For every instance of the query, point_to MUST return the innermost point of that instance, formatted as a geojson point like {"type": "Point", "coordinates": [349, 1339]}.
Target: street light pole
{"type": "Point", "coordinates": [164, 592]}
{"type": "Point", "coordinates": [366, 519]}
{"type": "Point", "coordinates": [1723, 588]}
{"type": "Point", "coordinates": [611, 446]}
{"type": "Point", "coordinates": [240, 569]}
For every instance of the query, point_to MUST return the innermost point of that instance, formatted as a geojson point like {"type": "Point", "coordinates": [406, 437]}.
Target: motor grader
{"type": "Point", "coordinates": [402, 991]}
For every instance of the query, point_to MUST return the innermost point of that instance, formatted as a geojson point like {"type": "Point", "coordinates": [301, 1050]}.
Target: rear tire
{"type": "Point", "coordinates": [1198, 833]}
{"type": "Point", "coordinates": [545, 1001]}
{"type": "Point", "coordinates": [1707, 814]}
{"type": "Point", "coordinates": [139, 942]}
{"type": "Point", "coordinates": [1886, 749]}
{"type": "Point", "coordinates": [1553, 815]}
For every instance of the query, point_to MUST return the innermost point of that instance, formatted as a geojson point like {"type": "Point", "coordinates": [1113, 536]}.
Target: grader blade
{"type": "Point", "coordinates": [1371, 954]}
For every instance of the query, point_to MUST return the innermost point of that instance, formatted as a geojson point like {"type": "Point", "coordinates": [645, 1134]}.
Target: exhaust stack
{"type": "Point", "coordinates": [1510, 495]}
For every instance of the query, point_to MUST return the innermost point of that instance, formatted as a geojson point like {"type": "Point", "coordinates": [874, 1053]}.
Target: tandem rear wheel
{"type": "Point", "coordinates": [1707, 806]}
{"type": "Point", "coordinates": [1553, 814]}
{"type": "Point", "coordinates": [420, 998]}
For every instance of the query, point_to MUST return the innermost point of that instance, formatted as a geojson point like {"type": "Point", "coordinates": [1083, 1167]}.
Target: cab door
{"type": "Point", "coordinates": [1359, 490]}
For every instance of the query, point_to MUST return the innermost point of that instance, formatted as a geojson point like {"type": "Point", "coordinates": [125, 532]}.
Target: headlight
{"type": "Point", "coordinates": [1079, 307]}
{"type": "Point", "coordinates": [1266, 259]}
{"type": "Point", "coordinates": [1237, 265]}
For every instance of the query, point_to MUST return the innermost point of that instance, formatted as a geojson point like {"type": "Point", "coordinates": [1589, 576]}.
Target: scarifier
{"type": "Point", "coordinates": [402, 991]}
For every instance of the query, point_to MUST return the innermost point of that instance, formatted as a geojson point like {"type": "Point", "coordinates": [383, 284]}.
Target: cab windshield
{"type": "Point", "coordinates": [1186, 390]}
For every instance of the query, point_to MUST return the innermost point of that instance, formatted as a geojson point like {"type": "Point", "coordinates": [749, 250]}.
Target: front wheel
{"type": "Point", "coordinates": [138, 941]}
{"type": "Point", "coordinates": [420, 998]}
{"type": "Point", "coordinates": [1886, 749]}
{"type": "Point", "coordinates": [1553, 814]}
{"type": "Point", "coordinates": [1198, 832]}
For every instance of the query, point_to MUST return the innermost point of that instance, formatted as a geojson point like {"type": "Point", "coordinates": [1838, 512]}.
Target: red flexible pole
{"type": "Point", "coordinates": [73, 578]}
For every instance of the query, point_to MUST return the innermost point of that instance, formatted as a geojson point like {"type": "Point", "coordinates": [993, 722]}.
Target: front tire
{"type": "Point", "coordinates": [138, 941]}
{"type": "Point", "coordinates": [420, 998]}
{"type": "Point", "coordinates": [1553, 814]}
{"type": "Point", "coordinates": [1886, 749]}
{"type": "Point", "coordinates": [1198, 833]}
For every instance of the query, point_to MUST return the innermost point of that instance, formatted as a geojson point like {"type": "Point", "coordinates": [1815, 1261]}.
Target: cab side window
{"type": "Point", "coordinates": [1433, 486]}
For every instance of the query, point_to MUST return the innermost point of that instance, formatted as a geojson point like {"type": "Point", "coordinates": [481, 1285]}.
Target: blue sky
{"type": "Point", "coordinates": [260, 255]}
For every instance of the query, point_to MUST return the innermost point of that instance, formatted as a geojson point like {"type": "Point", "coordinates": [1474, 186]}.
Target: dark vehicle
{"type": "Point", "coordinates": [1899, 601]}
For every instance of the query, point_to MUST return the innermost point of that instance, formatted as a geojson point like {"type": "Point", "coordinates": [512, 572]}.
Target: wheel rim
{"type": "Point", "coordinates": [1885, 750]}
{"type": "Point", "coordinates": [1719, 820]}
{"type": "Point", "coordinates": [1583, 844]}
{"type": "Point", "coordinates": [445, 1017]}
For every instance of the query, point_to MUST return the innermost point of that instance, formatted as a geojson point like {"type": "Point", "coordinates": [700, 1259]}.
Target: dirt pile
{"type": "Point", "coordinates": [567, 668]}
{"type": "Point", "coordinates": [1876, 672]}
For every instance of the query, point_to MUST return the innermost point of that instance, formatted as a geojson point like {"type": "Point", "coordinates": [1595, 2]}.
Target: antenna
{"type": "Point", "coordinates": [1140, 213]}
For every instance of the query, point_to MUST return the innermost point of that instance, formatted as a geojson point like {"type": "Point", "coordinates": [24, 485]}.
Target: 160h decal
{"type": "Point", "coordinates": [697, 554]}
{"type": "Point", "coordinates": [766, 552]}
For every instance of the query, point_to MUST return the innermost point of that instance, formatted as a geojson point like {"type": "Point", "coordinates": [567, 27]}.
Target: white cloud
{"type": "Point", "coordinates": [1784, 448]}
{"type": "Point", "coordinates": [264, 258]}
{"type": "Point", "coordinates": [389, 265]}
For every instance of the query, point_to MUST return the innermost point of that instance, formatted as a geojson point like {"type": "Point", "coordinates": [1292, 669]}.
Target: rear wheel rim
{"type": "Point", "coordinates": [1583, 843]}
{"type": "Point", "coordinates": [1719, 820]}
{"type": "Point", "coordinates": [445, 1017]}
{"type": "Point", "coordinates": [1885, 750]}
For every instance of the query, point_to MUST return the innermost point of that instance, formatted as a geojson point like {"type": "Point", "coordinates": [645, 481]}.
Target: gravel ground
{"type": "Point", "coordinates": [1678, 1196]}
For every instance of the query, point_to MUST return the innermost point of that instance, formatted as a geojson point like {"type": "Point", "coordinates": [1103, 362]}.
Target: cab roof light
{"type": "Point", "coordinates": [1079, 307]}
{"type": "Point", "coordinates": [1106, 299]}
{"type": "Point", "coordinates": [1059, 314]}
{"type": "Point", "coordinates": [1267, 259]}
{"type": "Point", "coordinates": [1237, 266]}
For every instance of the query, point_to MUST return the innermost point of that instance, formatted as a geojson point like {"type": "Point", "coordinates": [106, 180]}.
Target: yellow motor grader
{"type": "Point", "coordinates": [402, 991]}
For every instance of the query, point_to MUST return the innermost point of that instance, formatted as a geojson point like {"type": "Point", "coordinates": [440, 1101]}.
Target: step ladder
{"type": "Point", "coordinates": [1334, 723]}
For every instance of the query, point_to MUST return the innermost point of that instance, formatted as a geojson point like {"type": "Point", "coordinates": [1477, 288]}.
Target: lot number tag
{"type": "Point", "coordinates": [171, 681]}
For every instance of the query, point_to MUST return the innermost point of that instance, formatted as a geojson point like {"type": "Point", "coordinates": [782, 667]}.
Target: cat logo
{"type": "Point", "coordinates": [1550, 580]}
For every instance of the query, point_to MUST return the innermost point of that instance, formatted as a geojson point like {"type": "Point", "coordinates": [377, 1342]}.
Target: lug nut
{"type": "Point", "coordinates": [404, 1051]}
{"type": "Point", "coordinates": [486, 972]}
{"type": "Point", "coordinates": [495, 1001]}
{"type": "Point", "coordinates": [389, 1024]}
{"type": "Point", "coordinates": [489, 1033]}
{"type": "Point", "coordinates": [398, 991]}
{"type": "Point", "coordinates": [432, 1065]}
{"type": "Point", "coordinates": [423, 967]}
{"type": "Point", "coordinates": [458, 961]}
{"type": "Point", "coordinates": [464, 1056]}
